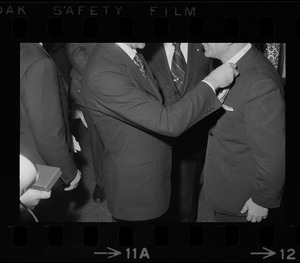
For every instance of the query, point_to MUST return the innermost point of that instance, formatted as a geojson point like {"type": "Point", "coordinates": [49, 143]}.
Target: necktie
{"type": "Point", "coordinates": [137, 61]}
{"type": "Point", "coordinates": [272, 53]}
{"type": "Point", "coordinates": [178, 67]}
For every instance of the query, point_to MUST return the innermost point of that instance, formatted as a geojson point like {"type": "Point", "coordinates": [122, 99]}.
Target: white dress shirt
{"type": "Point", "coordinates": [128, 50]}
{"type": "Point", "coordinates": [170, 49]}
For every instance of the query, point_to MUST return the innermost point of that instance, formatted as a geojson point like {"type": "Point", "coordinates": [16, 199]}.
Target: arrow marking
{"type": "Point", "coordinates": [112, 254]}
{"type": "Point", "coordinates": [269, 253]}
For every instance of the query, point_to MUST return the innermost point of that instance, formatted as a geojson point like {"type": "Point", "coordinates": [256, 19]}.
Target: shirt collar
{"type": "Point", "coordinates": [128, 50]}
{"type": "Point", "coordinates": [240, 54]}
{"type": "Point", "coordinates": [168, 45]}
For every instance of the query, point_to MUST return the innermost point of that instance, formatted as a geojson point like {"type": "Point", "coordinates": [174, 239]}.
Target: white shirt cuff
{"type": "Point", "coordinates": [209, 85]}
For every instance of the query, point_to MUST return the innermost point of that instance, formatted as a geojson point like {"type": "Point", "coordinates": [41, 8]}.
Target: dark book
{"type": "Point", "coordinates": [48, 175]}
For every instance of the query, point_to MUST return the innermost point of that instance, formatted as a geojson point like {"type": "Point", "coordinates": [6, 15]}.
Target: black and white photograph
{"type": "Point", "coordinates": [157, 151]}
{"type": "Point", "coordinates": [152, 132]}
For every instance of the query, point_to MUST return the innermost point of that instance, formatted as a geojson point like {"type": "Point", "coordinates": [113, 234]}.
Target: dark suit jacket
{"type": "Point", "coordinates": [128, 114]}
{"type": "Point", "coordinates": [44, 129]}
{"type": "Point", "coordinates": [192, 143]}
{"type": "Point", "coordinates": [58, 53]}
{"type": "Point", "coordinates": [246, 148]}
{"type": "Point", "coordinates": [78, 54]}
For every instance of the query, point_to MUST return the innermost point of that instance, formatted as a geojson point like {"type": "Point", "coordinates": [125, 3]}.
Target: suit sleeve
{"type": "Point", "coordinates": [44, 109]}
{"type": "Point", "coordinates": [78, 56]}
{"type": "Point", "coordinates": [115, 93]}
{"type": "Point", "coordinates": [265, 121]}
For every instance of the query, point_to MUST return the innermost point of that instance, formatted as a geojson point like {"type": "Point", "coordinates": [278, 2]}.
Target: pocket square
{"type": "Point", "coordinates": [227, 107]}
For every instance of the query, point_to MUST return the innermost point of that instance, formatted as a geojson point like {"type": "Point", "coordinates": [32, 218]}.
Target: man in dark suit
{"type": "Point", "coordinates": [79, 54]}
{"type": "Point", "coordinates": [189, 148]}
{"type": "Point", "coordinates": [44, 128]}
{"type": "Point", "coordinates": [244, 169]}
{"type": "Point", "coordinates": [126, 107]}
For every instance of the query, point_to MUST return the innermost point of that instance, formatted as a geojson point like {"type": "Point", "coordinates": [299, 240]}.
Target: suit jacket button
{"type": "Point", "coordinates": [211, 134]}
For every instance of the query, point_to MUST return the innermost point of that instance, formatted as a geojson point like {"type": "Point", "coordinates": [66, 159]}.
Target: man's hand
{"type": "Point", "coordinates": [222, 76]}
{"type": "Point", "coordinates": [32, 197]}
{"type": "Point", "coordinates": [75, 182]}
{"type": "Point", "coordinates": [255, 212]}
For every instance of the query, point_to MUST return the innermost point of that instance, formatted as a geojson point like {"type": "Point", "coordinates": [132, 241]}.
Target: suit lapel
{"type": "Point", "coordinates": [57, 69]}
{"type": "Point", "coordinates": [246, 59]}
{"type": "Point", "coordinates": [151, 79]}
{"type": "Point", "coordinates": [242, 64]}
{"type": "Point", "coordinates": [41, 48]}
{"type": "Point", "coordinates": [161, 62]}
{"type": "Point", "coordinates": [194, 52]}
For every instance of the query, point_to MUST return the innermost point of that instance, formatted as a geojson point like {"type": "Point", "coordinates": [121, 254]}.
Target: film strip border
{"type": "Point", "coordinates": [152, 21]}
{"type": "Point", "coordinates": [150, 242]}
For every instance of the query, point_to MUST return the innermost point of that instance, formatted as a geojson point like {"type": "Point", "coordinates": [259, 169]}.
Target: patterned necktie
{"type": "Point", "coordinates": [178, 67]}
{"type": "Point", "coordinates": [137, 61]}
{"type": "Point", "coordinates": [272, 53]}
